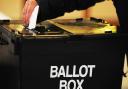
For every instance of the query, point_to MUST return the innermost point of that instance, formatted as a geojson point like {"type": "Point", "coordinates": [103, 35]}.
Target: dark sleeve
{"type": "Point", "coordinates": [50, 9]}
{"type": "Point", "coordinates": [122, 12]}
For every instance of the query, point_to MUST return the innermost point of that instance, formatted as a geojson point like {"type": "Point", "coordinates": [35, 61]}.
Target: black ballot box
{"type": "Point", "coordinates": [72, 56]}
{"type": "Point", "coordinates": [68, 54]}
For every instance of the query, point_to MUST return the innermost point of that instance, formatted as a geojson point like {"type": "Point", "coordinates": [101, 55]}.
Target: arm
{"type": "Point", "coordinates": [53, 8]}
{"type": "Point", "coordinates": [122, 12]}
{"type": "Point", "coordinates": [50, 9]}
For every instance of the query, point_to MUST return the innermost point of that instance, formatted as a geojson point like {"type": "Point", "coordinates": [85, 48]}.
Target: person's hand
{"type": "Point", "coordinates": [28, 9]}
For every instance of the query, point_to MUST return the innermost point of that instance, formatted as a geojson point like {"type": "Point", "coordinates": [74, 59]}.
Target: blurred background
{"type": "Point", "coordinates": [12, 9]}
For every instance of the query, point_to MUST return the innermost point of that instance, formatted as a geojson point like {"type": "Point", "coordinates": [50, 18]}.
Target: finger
{"type": "Point", "coordinates": [28, 14]}
{"type": "Point", "coordinates": [30, 9]}
{"type": "Point", "coordinates": [25, 11]}
{"type": "Point", "coordinates": [24, 14]}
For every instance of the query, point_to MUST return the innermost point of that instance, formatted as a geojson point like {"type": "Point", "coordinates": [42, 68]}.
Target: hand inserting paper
{"type": "Point", "coordinates": [28, 9]}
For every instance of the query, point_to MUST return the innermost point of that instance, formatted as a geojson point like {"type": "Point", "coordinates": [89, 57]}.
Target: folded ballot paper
{"type": "Point", "coordinates": [33, 18]}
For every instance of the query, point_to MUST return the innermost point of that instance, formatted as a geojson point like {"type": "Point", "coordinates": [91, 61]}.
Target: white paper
{"type": "Point", "coordinates": [33, 18]}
